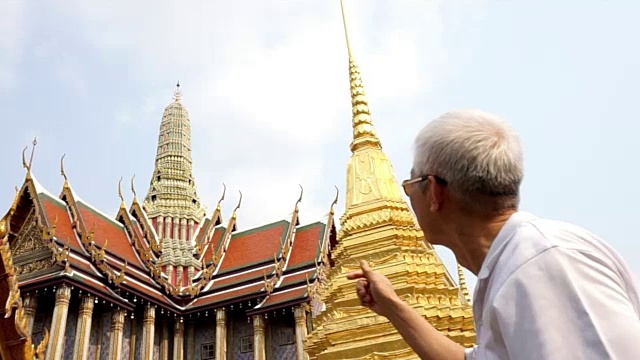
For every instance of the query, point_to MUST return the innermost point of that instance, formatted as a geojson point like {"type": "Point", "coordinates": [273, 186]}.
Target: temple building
{"type": "Point", "coordinates": [164, 279]}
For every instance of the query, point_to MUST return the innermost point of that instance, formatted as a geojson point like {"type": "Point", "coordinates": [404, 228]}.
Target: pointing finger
{"type": "Point", "coordinates": [358, 274]}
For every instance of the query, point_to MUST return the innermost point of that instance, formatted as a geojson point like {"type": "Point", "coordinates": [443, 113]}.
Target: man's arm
{"type": "Point", "coordinates": [567, 304]}
{"type": "Point", "coordinates": [376, 292]}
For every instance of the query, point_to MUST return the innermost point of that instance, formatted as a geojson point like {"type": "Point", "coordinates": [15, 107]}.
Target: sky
{"type": "Point", "coordinates": [266, 85]}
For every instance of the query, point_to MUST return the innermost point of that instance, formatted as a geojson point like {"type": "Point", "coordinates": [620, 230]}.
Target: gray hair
{"type": "Point", "coordinates": [477, 153]}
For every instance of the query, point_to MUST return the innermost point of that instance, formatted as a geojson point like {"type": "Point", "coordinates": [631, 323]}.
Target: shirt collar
{"type": "Point", "coordinates": [499, 243]}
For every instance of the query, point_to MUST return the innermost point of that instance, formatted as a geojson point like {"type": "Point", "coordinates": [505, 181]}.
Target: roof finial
{"type": "Point", "coordinates": [24, 160]}
{"type": "Point", "coordinates": [364, 135]}
{"type": "Point", "coordinates": [300, 198]}
{"type": "Point", "coordinates": [224, 192]}
{"type": "Point", "coordinates": [133, 188]}
{"type": "Point", "coordinates": [237, 206]}
{"type": "Point", "coordinates": [62, 172]}
{"type": "Point", "coordinates": [463, 284]}
{"type": "Point", "coordinates": [177, 94]}
{"type": "Point", "coordinates": [335, 201]}
{"type": "Point", "coordinates": [120, 192]}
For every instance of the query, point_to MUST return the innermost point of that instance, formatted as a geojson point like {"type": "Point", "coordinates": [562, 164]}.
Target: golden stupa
{"type": "Point", "coordinates": [379, 226]}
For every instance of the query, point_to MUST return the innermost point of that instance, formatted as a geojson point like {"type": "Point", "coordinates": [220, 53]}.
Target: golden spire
{"type": "Point", "coordinates": [299, 199]}
{"type": "Point", "coordinates": [364, 134]}
{"type": "Point", "coordinates": [177, 94]}
{"type": "Point", "coordinates": [463, 284]}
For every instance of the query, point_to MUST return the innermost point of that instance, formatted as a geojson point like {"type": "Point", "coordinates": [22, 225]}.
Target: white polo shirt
{"type": "Point", "coordinates": [552, 290]}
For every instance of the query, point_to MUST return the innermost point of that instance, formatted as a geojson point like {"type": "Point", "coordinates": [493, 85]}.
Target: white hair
{"type": "Point", "coordinates": [477, 153]}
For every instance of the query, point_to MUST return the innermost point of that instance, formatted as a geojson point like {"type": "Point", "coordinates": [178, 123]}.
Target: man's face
{"type": "Point", "coordinates": [420, 190]}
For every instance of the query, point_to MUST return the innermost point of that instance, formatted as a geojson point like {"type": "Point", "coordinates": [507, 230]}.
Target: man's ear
{"type": "Point", "coordinates": [437, 194]}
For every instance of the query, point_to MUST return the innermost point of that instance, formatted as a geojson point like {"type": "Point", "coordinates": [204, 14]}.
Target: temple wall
{"type": "Point", "coordinates": [139, 331]}
{"type": "Point", "coordinates": [126, 338]}
{"type": "Point", "coordinates": [281, 336]}
{"type": "Point", "coordinates": [104, 339]}
{"type": "Point", "coordinates": [205, 333]}
{"type": "Point", "coordinates": [44, 315]}
{"type": "Point", "coordinates": [240, 329]}
{"type": "Point", "coordinates": [157, 336]}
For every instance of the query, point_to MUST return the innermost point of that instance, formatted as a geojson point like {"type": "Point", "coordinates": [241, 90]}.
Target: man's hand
{"type": "Point", "coordinates": [374, 290]}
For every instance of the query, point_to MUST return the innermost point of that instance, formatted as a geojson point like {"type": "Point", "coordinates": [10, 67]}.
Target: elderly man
{"type": "Point", "coordinates": [546, 289]}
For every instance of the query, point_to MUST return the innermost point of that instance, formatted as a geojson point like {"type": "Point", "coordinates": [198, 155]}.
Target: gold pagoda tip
{"type": "Point", "coordinates": [346, 32]}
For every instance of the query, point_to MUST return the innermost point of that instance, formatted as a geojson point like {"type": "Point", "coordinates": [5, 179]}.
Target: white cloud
{"type": "Point", "coordinates": [12, 29]}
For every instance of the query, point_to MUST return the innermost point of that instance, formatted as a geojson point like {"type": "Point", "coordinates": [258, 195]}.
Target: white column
{"type": "Point", "coordinates": [183, 229]}
{"type": "Point", "coordinates": [148, 327]}
{"type": "Point", "coordinates": [300, 314]}
{"type": "Point", "coordinates": [178, 340]}
{"type": "Point", "coordinates": [221, 334]}
{"type": "Point", "coordinates": [55, 348]}
{"type": "Point", "coordinates": [117, 331]}
{"type": "Point", "coordinates": [258, 338]}
{"type": "Point", "coordinates": [160, 228]}
{"type": "Point", "coordinates": [30, 305]}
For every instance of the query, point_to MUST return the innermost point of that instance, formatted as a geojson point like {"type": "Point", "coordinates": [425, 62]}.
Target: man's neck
{"type": "Point", "coordinates": [473, 236]}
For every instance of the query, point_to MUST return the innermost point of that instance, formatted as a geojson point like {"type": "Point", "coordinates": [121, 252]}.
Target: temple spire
{"type": "Point", "coordinates": [364, 134]}
{"type": "Point", "coordinates": [177, 95]}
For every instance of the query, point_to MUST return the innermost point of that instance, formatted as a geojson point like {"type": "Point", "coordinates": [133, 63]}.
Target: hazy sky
{"type": "Point", "coordinates": [266, 84]}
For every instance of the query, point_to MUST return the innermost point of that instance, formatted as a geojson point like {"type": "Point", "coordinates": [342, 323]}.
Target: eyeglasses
{"type": "Point", "coordinates": [406, 184]}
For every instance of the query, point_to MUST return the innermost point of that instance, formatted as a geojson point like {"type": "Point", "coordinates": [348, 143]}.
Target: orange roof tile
{"type": "Point", "coordinates": [284, 297]}
{"type": "Point", "coordinates": [56, 210]}
{"type": "Point", "coordinates": [254, 246]}
{"type": "Point", "coordinates": [214, 243]}
{"type": "Point", "coordinates": [219, 297]}
{"type": "Point", "coordinates": [118, 243]}
{"type": "Point", "coordinates": [288, 280]}
{"type": "Point", "coordinates": [306, 245]}
{"type": "Point", "coordinates": [243, 277]}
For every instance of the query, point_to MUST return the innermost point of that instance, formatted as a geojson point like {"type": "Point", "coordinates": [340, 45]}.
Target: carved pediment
{"type": "Point", "coordinates": [29, 239]}
{"type": "Point", "coordinates": [30, 252]}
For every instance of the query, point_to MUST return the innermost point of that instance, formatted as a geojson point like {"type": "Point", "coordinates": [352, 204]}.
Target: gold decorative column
{"type": "Point", "coordinates": [30, 305]}
{"type": "Point", "coordinates": [132, 340]}
{"type": "Point", "coordinates": [117, 331]}
{"type": "Point", "coordinates": [300, 314]}
{"type": "Point", "coordinates": [191, 340]}
{"type": "Point", "coordinates": [178, 340]}
{"type": "Point", "coordinates": [55, 348]}
{"type": "Point", "coordinates": [221, 334]}
{"type": "Point", "coordinates": [83, 328]}
{"type": "Point", "coordinates": [148, 325]}
{"type": "Point", "coordinates": [164, 342]}
{"type": "Point", "coordinates": [258, 338]}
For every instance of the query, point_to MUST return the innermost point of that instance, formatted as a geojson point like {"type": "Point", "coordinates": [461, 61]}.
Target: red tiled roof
{"type": "Point", "coordinates": [214, 243]}
{"type": "Point", "coordinates": [285, 296]}
{"type": "Point", "coordinates": [243, 277]}
{"type": "Point", "coordinates": [56, 210]}
{"type": "Point", "coordinates": [254, 246]}
{"type": "Point", "coordinates": [109, 230]}
{"type": "Point", "coordinates": [306, 245]}
{"type": "Point", "coordinates": [288, 280]}
{"type": "Point", "coordinates": [218, 297]}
